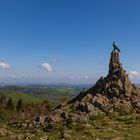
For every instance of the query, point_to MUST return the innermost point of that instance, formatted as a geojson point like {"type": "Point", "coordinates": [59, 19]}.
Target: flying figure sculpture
{"type": "Point", "coordinates": [115, 47]}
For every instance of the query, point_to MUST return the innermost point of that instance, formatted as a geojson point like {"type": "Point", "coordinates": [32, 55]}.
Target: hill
{"type": "Point", "coordinates": [109, 110]}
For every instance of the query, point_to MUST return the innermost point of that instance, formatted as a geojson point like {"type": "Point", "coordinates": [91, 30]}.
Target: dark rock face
{"type": "Point", "coordinates": [115, 67]}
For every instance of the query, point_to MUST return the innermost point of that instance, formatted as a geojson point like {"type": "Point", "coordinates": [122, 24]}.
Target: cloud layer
{"type": "Point", "coordinates": [4, 65]}
{"type": "Point", "coordinates": [47, 67]}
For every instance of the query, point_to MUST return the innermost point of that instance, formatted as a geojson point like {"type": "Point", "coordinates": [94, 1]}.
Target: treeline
{"type": "Point", "coordinates": [8, 104]}
{"type": "Point", "coordinates": [11, 110]}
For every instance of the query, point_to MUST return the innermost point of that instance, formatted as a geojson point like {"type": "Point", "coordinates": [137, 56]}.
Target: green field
{"type": "Point", "coordinates": [54, 94]}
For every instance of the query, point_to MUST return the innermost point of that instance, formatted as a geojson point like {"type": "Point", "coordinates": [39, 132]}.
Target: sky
{"type": "Point", "coordinates": [67, 41]}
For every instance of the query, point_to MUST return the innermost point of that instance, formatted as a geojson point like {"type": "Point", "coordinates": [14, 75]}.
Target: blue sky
{"type": "Point", "coordinates": [67, 41]}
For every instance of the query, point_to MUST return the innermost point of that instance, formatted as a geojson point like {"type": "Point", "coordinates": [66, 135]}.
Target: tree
{"type": "Point", "coordinates": [10, 104]}
{"type": "Point", "coordinates": [19, 105]}
{"type": "Point", "coordinates": [2, 100]}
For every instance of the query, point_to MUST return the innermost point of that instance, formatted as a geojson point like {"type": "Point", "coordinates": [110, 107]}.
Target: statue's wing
{"type": "Point", "coordinates": [118, 49]}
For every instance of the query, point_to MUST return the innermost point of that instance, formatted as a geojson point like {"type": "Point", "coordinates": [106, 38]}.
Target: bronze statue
{"type": "Point", "coordinates": [115, 47]}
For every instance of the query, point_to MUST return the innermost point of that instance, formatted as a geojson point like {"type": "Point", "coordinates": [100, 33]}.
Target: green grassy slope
{"type": "Point", "coordinates": [27, 98]}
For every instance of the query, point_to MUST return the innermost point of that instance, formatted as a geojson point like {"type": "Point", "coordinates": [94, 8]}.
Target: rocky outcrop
{"type": "Point", "coordinates": [115, 87]}
{"type": "Point", "coordinates": [115, 92]}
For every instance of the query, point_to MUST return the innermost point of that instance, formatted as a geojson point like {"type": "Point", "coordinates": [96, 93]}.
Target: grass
{"type": "Point", "coordinates": [27, 98]}
{"type": "Point", "coordinates": [100, 126]}
{"type": "Point", "coordinates": [126, 127]}
{"type": "Point", "coordinates": [54, 95]}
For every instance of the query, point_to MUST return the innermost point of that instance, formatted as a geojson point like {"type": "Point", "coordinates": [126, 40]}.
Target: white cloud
{"type": "Point", "coordinates": [86, 77]}
{"type": "Point", "coordinates": [4, 65]}
{"type": "Point", "coordinates": [47, 67]}
{"type": "Point", "coordinates": [134, 74]}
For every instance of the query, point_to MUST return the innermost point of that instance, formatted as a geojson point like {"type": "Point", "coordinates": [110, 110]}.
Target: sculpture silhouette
{"type": "Point", "coordinates": [115, 47]}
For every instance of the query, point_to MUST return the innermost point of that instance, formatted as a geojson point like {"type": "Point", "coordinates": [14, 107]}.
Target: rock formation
{"type": "Point", "coordinates": [115, 92]}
